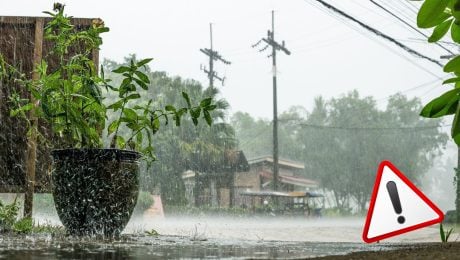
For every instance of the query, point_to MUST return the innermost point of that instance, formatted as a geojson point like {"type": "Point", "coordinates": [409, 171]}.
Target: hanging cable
{"type": "Point", "coordinates": [379, 33]}
{"type": "Point", "coordinates": [407, 24]}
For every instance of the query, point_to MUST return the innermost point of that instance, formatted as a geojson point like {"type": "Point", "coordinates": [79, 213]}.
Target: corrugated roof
{"type": "Point", "coordinates": [294, 180]}
{"type": "Point", "coordinates": [281, 161]}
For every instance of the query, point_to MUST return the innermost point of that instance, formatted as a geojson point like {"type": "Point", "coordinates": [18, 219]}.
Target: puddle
{"type": "Point", "coordinates": [161, 247]}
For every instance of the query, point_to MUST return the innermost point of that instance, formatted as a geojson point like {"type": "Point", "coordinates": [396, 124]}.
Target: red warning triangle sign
{"type": "Point", "coordinates": [397, 206]}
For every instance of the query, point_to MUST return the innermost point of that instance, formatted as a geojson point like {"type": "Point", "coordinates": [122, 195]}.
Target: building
{"type": "Point", "coordinates": [224, 186]}
{"type": "Point", "coordinates": [260, 178]}
{"type": "Point", "coordinates": [214, 185]}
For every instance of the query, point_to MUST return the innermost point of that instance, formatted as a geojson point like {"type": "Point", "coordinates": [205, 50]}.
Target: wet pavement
{"type": "Point", "coordinates": [194, 237]}
{"type": "Point", "coordinates": [162, 247]}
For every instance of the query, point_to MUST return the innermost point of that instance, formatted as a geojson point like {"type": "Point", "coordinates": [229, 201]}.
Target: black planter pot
{"type": "Point", "coordinates": [95, 190]}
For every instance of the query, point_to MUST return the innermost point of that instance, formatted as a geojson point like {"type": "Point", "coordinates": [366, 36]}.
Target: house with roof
{"type": "Point", "coordinates": [260, 178]}
{"type": "Point", "coordinates": [212, 183]}
{"type": "Point", "coordinates": [225, 185]}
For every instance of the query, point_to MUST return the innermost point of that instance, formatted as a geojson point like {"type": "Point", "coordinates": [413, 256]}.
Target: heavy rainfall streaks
{"type": "Point", "coordinates": [397, 14]}
{"type": "Point", "coordinates": [235, 128]}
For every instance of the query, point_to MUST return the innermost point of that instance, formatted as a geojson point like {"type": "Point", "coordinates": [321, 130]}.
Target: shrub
{"type": "Point", "coordinates": [8, 215]}
{"type": "Point", "coordinates": [23, 226]}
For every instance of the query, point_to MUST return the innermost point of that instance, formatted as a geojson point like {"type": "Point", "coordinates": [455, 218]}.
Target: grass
{"type": "Point", "coordinates": [445, 234]}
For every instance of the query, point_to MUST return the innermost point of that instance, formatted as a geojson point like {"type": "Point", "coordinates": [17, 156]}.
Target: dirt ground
{"type": "Point", "coordinates": [418, 251]}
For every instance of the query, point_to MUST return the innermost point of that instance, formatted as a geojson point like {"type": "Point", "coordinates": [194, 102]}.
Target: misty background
{"type": "Point", "coordinates": [330, 56]}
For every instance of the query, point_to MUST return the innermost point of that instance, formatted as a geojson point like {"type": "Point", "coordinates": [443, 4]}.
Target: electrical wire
{"type": "Point", "coordinates": [411, 128]}
{"type": "Point", "coordinates": [354, 27]}
{"type": "Point", "coordinates": [379, 33]}
{"type": "Point", "coordinates": [426, 84]}
{"type": "Point", "coordinates": [407, 24]}
{"type": "Point", "coordinates": [255, 137]}
{"type": "Point", "coordinates": [357, 2]}
{"type": "Point", "coordinates": [409, 5]}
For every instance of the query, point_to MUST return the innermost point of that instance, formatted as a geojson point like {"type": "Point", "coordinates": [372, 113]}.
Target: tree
{"type": "Point", "coordinates": [342, 141]}
{"type": "Point", "coordinates": [254, 136]}
{"type": "Point", "coordinates": [189, 147]}
{"type": "Point", "coordinates": [347, 137]}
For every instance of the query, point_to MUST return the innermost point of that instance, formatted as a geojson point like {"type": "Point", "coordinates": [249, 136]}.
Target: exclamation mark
{"type": "Point", "coordinates": [393, 191]}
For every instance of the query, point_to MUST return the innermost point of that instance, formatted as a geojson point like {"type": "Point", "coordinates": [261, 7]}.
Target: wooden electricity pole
{"type": "Point", "coordinates": [213, 56]}
{"type": "Point", "coordinates": [270, 41]}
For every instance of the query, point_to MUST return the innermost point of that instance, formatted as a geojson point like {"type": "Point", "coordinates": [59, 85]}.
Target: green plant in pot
{"type": "Point", "coordinates": [95, 189]}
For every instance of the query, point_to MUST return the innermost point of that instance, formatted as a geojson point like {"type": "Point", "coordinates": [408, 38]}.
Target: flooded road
{"type": "Point", "coordinates": [217, 237]}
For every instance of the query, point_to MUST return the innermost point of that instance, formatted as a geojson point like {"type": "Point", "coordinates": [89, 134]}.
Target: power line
{"type": "Point", "coordinates": [379, 33]}
{"type": "Point", "coordinates": [357, 2]}
{"type": "Point", "coordinates": [407, 24]}
{"type": "Point", "coordinates": [409, 6]}
{"type": "Point", "coordinates": [401, 10]}
{"type": "Point", "coordinates": [429, 83]}
{"type": "Point", "coordinates": [406, 10]}
{"type": "Point", "coordinates": [368, 128]}
{"type": "Point", "coordinates": [255, 137]}
{"type": "Point", "coordinates": [355, 28]}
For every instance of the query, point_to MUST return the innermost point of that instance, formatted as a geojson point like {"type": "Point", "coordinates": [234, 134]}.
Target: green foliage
{"type": "Point", "coordinates": [432, 13]}
{"type": "Point", "coordinates": [330, 138]}
{"type": "Point", "coordinates": [355, 128]}
{"type": "Point", "coordinates": [446, 104]}
{"type": "Point", "coordinates": [48, 229]}
{"type": "Point", "coordinates": [440, 30]}
{"type": "Point", "coordinates": [9, 222]}
{"type": "Point", "coordinates": [255, 136]}
{"type": "Point", "coordinates": [177, 149]}
{"type": "Point", "coordinates": [8, 215]}
{"type": "Point", "coordinates": [144, 120]}
{"type": "Point", "coordinates": [444, 234]}
{"type": "Point", "coordinates": [23, 226]}
{"type": "Point", "coordinates": [70, 97]}
{"type": "Point", "coordinates": [152, 233]}
{"type": "Point", "coordinates": [444, 15]}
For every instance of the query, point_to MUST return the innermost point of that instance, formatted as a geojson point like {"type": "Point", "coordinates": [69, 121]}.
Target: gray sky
{"type": "Point", "coordinates": [328, 57]}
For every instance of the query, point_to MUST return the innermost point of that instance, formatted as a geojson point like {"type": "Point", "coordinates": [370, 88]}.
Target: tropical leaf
{"type": "Point", "coordinates": [440, 30]}
{"type": "Point", "coordinates": [432, 13]}
{"type": "Point", "coordinates": [446, 104]}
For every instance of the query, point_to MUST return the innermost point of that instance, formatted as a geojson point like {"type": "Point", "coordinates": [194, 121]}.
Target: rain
{"type": "Point", "coordinates": [178, 129]}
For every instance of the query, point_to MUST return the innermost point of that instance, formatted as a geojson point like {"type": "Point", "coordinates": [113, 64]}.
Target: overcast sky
{"type": "Point", "coordinates": [328, 57]}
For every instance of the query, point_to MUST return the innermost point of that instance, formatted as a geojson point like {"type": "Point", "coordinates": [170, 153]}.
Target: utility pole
{"type": "Point", "coordinates": [213, 56]}
{"type": "Point", "coordinates": [270, 41]}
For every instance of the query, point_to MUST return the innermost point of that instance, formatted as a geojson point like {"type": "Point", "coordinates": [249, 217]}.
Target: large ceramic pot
{"type": "Point", "coordinates": [95, 190]}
